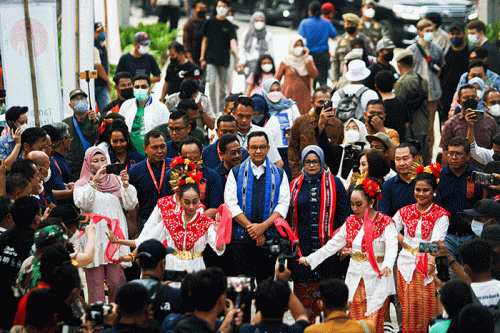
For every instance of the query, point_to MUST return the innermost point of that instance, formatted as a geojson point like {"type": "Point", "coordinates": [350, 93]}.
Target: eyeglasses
{"type": "Point", "coordinates": [235, 152]}
{"type": "Point", "coordinates": [263, 147]}
{"type": "Point", "coordinates": [313, 163]}
{"type": "Point", "coordinates": [176, 129]}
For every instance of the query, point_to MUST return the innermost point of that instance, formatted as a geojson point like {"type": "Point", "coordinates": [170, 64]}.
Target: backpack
{"type": "Point", "coordinates": [350, 106]}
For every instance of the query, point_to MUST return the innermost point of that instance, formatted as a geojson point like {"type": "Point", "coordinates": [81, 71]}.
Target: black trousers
{"type": "Point", "coordinates": [322, 62]}
{"type": "Point", "coordinates": [169, 13]}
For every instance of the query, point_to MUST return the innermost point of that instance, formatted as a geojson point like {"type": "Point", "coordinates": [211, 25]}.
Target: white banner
{"type": "Point", "coordinates": [15, 60]}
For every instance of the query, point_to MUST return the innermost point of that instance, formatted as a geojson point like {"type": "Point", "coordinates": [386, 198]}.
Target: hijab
{"type": "Point", "coordinates": [109, 184]}
{"type": "Point", "coordinates": [262, 107]}
{"type": "Point", "coordinates": [262, 46]}
{"type": "Point", "coordinates": [363, 132]}
{"type": "Point", "coordinates": [319, 152]}
{"type": "Point", "coordinates": [283, 104]}
{"type": "Point", "coordinates": [298, 64]}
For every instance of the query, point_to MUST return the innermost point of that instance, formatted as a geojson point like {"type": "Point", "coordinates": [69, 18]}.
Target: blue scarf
{"type": "Point", "coordinates": [283, 103]}
{"type": "Point", "coordinates": [245, 190]}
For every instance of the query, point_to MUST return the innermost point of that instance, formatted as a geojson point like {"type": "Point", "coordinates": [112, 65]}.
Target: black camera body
{"type": "Point", "coordinates": [283, 249]}
{"type": "Point", "coordinates": [97, 311]}
{"type": "Point", "coordinates": [351, 156]}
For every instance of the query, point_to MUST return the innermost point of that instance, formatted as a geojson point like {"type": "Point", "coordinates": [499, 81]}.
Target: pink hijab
{"type": "Point", "coordinates": [109, 184]}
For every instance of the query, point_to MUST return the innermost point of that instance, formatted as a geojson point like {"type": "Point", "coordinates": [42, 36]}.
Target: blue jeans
{"type": "Point", "coordinates": [102, 96]}
{"type": "Point", "coordinates": [453, 243]}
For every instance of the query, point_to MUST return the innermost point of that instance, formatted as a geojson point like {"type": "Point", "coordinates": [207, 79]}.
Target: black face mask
{"type": "Point", "coordinates": [351, 30]}
{"type": "Point", "coordinates": [193, 125]}
{"type": "Point", "coordinates": [127, 93]}
{"type": "Point", "coordinates": [202, 14]}
{"type": "Point", "coordinates": [388, 56]}
{"type": "Point", "coordinates": [174, 61]}
{"type": "Point", "coordinates": [318, 109]}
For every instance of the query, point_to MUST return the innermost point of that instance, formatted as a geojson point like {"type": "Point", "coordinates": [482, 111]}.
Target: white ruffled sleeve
{"type": "Point", "coordinates": [212, 239]}
{"type": "Point", "coordinates": [129, 197]}
{"type": "Point", "coordinates": [330, 248]}
{"type": "Point", "coordinates": [391, 246]}
{"type": "Point", "coordinates": [84, 197]}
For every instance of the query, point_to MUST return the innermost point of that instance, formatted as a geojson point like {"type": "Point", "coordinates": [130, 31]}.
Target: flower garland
{"type": "Point", "coordinates": [372, 188]}
{"type": "Point", "coordinates": [433, 169]}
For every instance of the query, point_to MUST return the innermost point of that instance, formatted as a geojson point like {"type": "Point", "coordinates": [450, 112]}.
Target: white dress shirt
{"type": "Point", "coordinates": [231, 197]}
{"type": "Point", "coordinates": [481, 154]}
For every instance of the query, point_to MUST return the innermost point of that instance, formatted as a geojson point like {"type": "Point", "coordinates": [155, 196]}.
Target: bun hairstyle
{"type": "Point", "coordinates": [371, 188]}
{"type": "Point", "coordinates": [188, 186]}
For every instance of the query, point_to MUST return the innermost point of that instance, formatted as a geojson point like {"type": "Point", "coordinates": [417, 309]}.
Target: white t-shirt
{"type": "Point", "coordinates": [352, 89]}
{"type": "Point", "coordinates": [487, 292]}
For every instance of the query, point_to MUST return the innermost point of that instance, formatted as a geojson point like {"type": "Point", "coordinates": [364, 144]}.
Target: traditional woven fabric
{"type": "Point", "coordinates": [418, 302]}
{"type": "Point", "coordinates": [309, 295]}
{"type": "Point", "coordinates": [358, 308]}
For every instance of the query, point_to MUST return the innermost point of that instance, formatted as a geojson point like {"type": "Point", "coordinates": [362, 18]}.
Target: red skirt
{"type": "Point", "coordinates": [418, 302]}
{"type": "Point", "coordinates": [358, 308]}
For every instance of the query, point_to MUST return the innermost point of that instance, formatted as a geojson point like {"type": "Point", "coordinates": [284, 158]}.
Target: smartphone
{"type": "Point", "coordinates": [115, 168]}
{"type": "Point", "coordinates": [174, 276]}
{"type": "Point", "coordinates": [13, 126]}
{"type": "Point", "coordinates": [470, 103]}
{"type": "Point", "coordinates": [82, 226]}
{"type": "Point", "coordinates": [479, 114]}
{"type": "Point", "coordinates": [443, 268]}
{"type": "Point", "coordinates": [482, 178]}
{"type": "Point", "coordinates": [427, 247]}
{"type": "Point", "coordinates": [87, 75]}
{"type": "Point", "coordinates": [287, 131]}
{"type": "Point", "coordinates": [328, 104]}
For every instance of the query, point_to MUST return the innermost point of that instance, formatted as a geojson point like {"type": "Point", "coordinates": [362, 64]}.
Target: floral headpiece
{"type": "Point", "coordinates": [372, 188]}
{"type": "Point", "coordinates": [182, 167]}
{"type": "Point", "coordinates": [193, 177]}
{"type": "Point", "coordinates": [104, 125]}
{"type": "Point", "coordinates": [433, 168]}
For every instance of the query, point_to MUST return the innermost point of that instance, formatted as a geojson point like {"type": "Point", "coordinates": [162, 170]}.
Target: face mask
{"type": "Point", "coordinates": [141, 94]}
{"type": "Point", "coordinates": [259, 25]}
{"type": "Point", "coordinates": [275, 96]}
{"type": "Point", "coordinates": [221, 11]}
{"type": "Point", "coordinates": [480, 93]}
{"type": "Point", "coordinates": [351, 136]}
{"type": "Point", "coordinates": [257, 119]}
{"type": "Point", "coordinates": [370, 12]}
{"type": "Point", "coordinates": [298, 51]}
{"type": "Point", "coordinates": [81, 107]}
{"type": "Point", "coordinates": [101, 37]}
{"type": "Point", "coordinates": [350, 30]}
{"type": "Point", "coordinates": [267, 68]}
{"type": "Point", "coordinates": [457, 41]}
{"type": "Point", "coordinates": [198, 98]}
{"type": "Point", "coordinates": [23, 127]}
{"type": "Point", "coordinates": [495, 110]}
{"type": "Point", "coordinates": [127, 93]}
{"type": "Point", "coordinates": [40, 185]}
{"type": "Point", "coordinates": [388, 56]}
{"type": "Point", "coordinates": [143, 49]}
{"type": "Point", "coordinates": [202, 13]}
{"type": "Point", "coordinates": [173, 61]}
{"type": "Point", "coordinates": [477, 227]}
{"type": "Point", "coordinates": [357, 52]}
{"type": "Point", "coordinates": [49, 174]}
{"type": "Point", "coordinates": [428, 36]}
{"type": "Point", "coordinates": [473, 39]}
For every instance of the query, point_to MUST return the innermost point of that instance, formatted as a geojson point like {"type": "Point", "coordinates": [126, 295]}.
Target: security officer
{"type": "Point", "coordinates": [369, 27]}
{"type": "Point", "coordinates": [343, 46]}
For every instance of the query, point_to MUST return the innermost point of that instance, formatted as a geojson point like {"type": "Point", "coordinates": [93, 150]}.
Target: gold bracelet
{"type": "Point", "coordinates": [131, 255]}
{"type": "Point", "coordinates": [432, 264]}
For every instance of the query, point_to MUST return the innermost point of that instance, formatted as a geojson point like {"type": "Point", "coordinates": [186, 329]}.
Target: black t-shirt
{"type": "Point", "coordinates": [396, 117]}
{"type": "Point", "coordinates": [219, 34]}
{"type": "Point", "coordinates": [457, 63]}
{"type": "Point", "coordinates": [175, 75]}
{"type": "Point", "coordinates": [374, 69]}
{"type": "Point", "coordinates": [144, 65]}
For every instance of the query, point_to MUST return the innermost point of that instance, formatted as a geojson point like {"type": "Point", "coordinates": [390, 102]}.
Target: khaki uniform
{"type": "Point", "coordinates": [341, 49]}
{"type": "Point", "coordinates": [375, 32]}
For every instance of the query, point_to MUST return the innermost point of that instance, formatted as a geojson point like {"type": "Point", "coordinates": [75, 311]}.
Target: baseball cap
{"type": "Point", "coordinates": [153, 251]}
{"type": "Point", "coordinates": [98, 27]}
{"type": "Point", "coordinates": [69, 214]}
{"type": "Point", "coordinates": [486, 208]}
{"type": "Point", "coordinates": [385, 44]}
{"type": "Point", "coordinates": [50, 235]}
{"type": "Point", "coordinates": [381, 137]}
{"type": "Point", "coordinates": [142, 38]}
{"type": "Point", "coordinates": [368, 2]}
{"type": "Point", "coordinates": [328, 7]}
{"type": "Point", "coordinates": [76, 92]}
{"type": "Point", "coordinates": [491, 234]}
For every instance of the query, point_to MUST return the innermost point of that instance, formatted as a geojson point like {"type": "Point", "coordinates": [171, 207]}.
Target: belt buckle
{"type": "Point", "coordinates": [358, 256]}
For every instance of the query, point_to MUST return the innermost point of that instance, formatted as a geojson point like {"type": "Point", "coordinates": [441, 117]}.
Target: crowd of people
{"type": "Point", "coordinates": [332, 145]}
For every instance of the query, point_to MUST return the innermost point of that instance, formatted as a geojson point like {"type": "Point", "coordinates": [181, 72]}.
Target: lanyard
{"type": "Point", "coordinates": [57, 165]}
{"type": "Point", "coordinates": [153, 176]}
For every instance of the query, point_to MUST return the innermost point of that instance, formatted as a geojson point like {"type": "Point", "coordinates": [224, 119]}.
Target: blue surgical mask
{"type": "Point", "coordinates": [81, 107]}
{"type": "Point", "coordinates": [141, 94]}
{"type": "Point", "coordinates": [102, 37]}
{"type": "Point", "coordinates": [457, 41]}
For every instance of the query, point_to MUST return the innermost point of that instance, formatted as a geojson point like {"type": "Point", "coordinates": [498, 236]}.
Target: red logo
{"type": "Point", "coordinates": [19, 42]}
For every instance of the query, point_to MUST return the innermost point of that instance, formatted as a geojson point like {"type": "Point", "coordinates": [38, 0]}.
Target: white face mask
{"type": "Point", "coordinates": [480, 93]}
{"type": "Point", "coordinates": [357, 52]}
{"type": "Point", "coordinates": [477, 227]}
{"type": "Point", "coordinates": [275, 96]}
{"type": "Point", "coordinates": [221, 11]}
{"type": "Point", "coordinates": [298, 51]}
{"type": "Point", "coordinates": [259, 25]}
{"type": "Point", "coordinates": [494, 110]}
{"type": "Point", "coordinates": [428, 36]}
{"type": "Point", "coordinates": [267, 68]}
{"type": "Point", "coordinates": [351, 136]}
{"type": "Point", "coordinates": [198, 97]}
{"type": "Point", "coordinates": [40, 185]}
{"type": "Point", "coordinates": [23, 127]}
{"type": "Point", "coordinates": [370, 12]}
{"type": "Point", "coordinates": [143, 49]}
{"type": "Point", "coordinates": [473, 39]}
{"type": "Point", "coordinates": [49, 174]}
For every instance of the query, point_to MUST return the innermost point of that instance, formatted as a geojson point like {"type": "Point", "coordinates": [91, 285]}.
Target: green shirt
{"type": "Point", "coordinates": [138, 130]}
{"type": "Point", "coordinates": [441, 327]}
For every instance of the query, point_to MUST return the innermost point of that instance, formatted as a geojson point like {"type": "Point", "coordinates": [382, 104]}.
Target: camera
{"type": "Point", "coordinates": [351, 156]}
{"type": "Point", "coordinates": [239, 288]}
{"type": "Point", "coordinates": [283, 248]}
{"type": "Point", "coordinates": [97, 311]}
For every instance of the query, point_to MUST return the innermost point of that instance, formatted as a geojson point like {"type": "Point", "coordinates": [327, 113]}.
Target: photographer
{"type": "Point", "coordinates": [272, 298]}
{"type": "Point", "coordinates": [480, 154]}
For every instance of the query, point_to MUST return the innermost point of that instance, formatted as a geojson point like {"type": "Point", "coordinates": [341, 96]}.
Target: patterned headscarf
{"type": "Point", "coordinates": [262, 46]}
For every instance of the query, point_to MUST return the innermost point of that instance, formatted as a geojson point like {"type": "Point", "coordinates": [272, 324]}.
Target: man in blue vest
{"type": "Point", "coordinates": [257, 192]}
{"type": "Point", "coordinates": [102, 83]}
